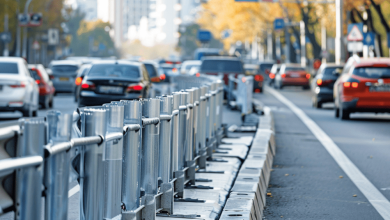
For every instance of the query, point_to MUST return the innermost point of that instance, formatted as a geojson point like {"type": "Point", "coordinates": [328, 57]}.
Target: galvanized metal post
{"type": "Point", "coordinates": [29, 188]}
{"type": "Point", "coordinates": [57, 167]}
{"type": "Point", "coordinates": [150, 152]}
{"type": "Point", "coordinates": [175, 133]}
{"type": "Point", "coordinates": [131, 166]}
{"type": "Point", "coordinates": [189, 156]}
{"type": "Point", "coordinates": [92, 176]}
{"type": "Point", "coordinates": [202, 127]}
{"type": "Point", "coordinates": [197, 119]}
{"type": "Point", "coordinates": [166, 188]}
{"type": "Point", "coordinates": [219, 111]}
{"type": "Point", "coordinates": [112, 160]}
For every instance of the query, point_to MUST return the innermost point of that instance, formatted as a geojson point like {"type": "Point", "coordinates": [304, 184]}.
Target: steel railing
{"type": "Point", "coordinates": [132, 159]}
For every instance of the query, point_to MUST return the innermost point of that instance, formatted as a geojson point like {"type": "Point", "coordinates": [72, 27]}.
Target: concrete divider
{"type": "Point", "coordinates": [247, 197]}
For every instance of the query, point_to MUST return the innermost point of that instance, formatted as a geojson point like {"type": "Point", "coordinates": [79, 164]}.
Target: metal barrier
{"type": "Point", "coordinates": [240, 92]}
{"type": "Point", "coordinates": [132, 159]}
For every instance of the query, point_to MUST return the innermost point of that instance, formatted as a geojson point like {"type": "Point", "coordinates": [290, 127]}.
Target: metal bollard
{"type": "Point", "coordinates": [219, 110]}
{"type": "Point", "coordinates": [166, 188]}
{"type": "Point", "coordinates": [165, 138]}
{"type": "Point", "coordinates": [175, 133]}
{"type": "Point", "coordinates": [91, 170]}
{"type": "Point", "coordinates": [131, 166]}
{"type": "Point", "coordinates": [182, 128]}
{"type": "Point", "coordinates": [28, 192]}
{"type": "Point", "coordinates": [150, 145]}
{"type": "Point", "coordinates": [197, 121]}
{"type": "Point", "coordinates": [202, 131]}
{"type": "Point", "coordinates": [112, 160]}
{"type": "Point", "coordinates": [57, 167]}
{"type": "Point", "coordinates": [189, 148]}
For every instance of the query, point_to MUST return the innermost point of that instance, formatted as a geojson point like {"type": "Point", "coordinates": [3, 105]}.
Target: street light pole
{"type": "Point", "coordinates": [339, 53]}
{"type": "Point", "coordinates": [25, 30]}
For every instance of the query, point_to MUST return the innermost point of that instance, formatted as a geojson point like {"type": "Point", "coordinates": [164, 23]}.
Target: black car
{"type": "Point", "coordinates": [79, 79]}
{"type": "Point", "coordinates": [322, 84]}
{"type": "Point", "coordinates": [108, 81]}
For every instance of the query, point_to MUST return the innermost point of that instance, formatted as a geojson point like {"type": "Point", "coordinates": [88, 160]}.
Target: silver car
{"type": "Point", "coordinates": [18, 90]}
{"type": "Point", "coordinates": [64, 74]}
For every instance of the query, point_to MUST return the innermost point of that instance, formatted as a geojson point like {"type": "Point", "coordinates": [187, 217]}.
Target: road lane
{"type": "Point", "coordinates": [354, 137]}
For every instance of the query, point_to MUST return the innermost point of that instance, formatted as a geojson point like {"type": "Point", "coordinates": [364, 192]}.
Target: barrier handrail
{"type": "Point", "coordinates": [11, 164]}
{"type": "Point", "coordinates": [51, 150]}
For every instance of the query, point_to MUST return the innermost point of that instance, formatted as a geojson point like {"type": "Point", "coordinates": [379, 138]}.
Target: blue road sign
{"type": "Point", "coordinates": [355, 32]}
{"type": "Point", "coordinates": [102, 46]}
{"type": "Point", "coordinates": [278, 24]}
{"type": "Point", "coordinates": [204, 35]}
{"type": "Point", "coordinates": [6, 37]}
{"type": "Point", "coordinates": [369, 39]}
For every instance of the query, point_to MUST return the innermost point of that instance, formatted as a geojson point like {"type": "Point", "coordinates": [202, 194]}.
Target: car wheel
{"type": "Point", "coordinates": [27, 112]}
{"type": "Point", "coordinates": [46, 104]}
{"type": "Point", "coordinates": [35, 113]}
{"type": "Point", "coordinates": [306, 87]}
{"type": "Point", "coordinates": [344, 114]}
{"type": "Point", "coordinates": [51, 102]}
{"type": "Point", "coordinates": [336, 112]}
{"type": "Point", "coordinates": [316, 103]}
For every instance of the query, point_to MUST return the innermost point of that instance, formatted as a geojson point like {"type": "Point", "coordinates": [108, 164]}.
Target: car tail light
{"type": "Point", "coordinates": [162, 77]}
{"type": "Point", "coordinates": [197, 74]}
{"type": "Point", "coordinates": [174, 70]}
{"type": "Point", "coordinates": [257, 90]}
{"type": "Point", "coordinates": [272, 76]}
{"type": "Point", "coordinates": [355, 85]}
{"type": "Point", "coordinates": [308, 76]}
{"type": "Point", "coordinates": [132, 88]}
{"type": "Point", "coordinates": [347, 84]}
{"type": "Point", "coordinates": [78, 81]}
{"type": "Point", "coordinates": [283, 75]}
{"type": "Point", "coordinates": [88, 86]}
{"type": "Point", "coordinates": [319, 82]}
{"type": "Point", "coordinates": [258, 78]}
{"type": "Point", "coordinates": [21, 85]}
{"type": "Point", "coordinates": [38, 81]}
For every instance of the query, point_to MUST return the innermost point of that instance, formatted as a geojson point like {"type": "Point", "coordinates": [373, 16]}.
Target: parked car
{"type": "Point", "coordinates": [265, 67]}
{"type": "Point", "coordinates": [79, 79]}
{"type": "Point", "coordinates": [46, 88]}
{"type": "Point", "coordinates": [18, 89]}
{"type": "Point", "coordinates": [258, 79]}
{"type": "Point", "coordinates": [64, 74]}
{"type": "Point", "coordinates": [160, 85]}
{"type": "Point", "coordinates": [292, 75]}
{"type": "Point", "coordinates": [188, 65]}
{"type": "Point", "coordinates": [274, 71]}
{"type": "Point", "coordinates": [108, 81]}
{"type": "Point", "coordinates": [222, 66]}
{"type": "Point", "coordinates": [322, 84]}
{"type": "Point", "coordinates": [364, 86]}
{"type": "Point", "coordinates": [154, 75]}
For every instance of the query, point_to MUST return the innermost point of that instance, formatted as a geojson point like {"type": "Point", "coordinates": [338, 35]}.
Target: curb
{"type": "Point", "coordinates": [247, 198]}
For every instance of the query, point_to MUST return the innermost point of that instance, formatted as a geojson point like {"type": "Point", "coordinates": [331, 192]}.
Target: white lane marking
{"type": "Point", "coordinates": [374, 196]}
{"type": "Point", "coordinates": [74, 190]}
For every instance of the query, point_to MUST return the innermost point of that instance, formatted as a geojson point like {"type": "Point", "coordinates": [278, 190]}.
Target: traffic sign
{"type": "Point", "coordinates": [279, 23]}
{"type": "Point", "coordinates": [355, 32]}
{"type": "Point", "coordinates": [369, 39]}
{"type": "Point", "coordinates": [53, 35]}
{"type": "Point", "coordinates": [204, 35]}
{"type": "Point", "coordinates": [356, 46]}
{"type": "Point", "coordinates": [35, 19]}
{"type": "Point", "coordinates": [6, 37]}
{"type": "Point", "coordinates": [23, 19]}
{"type": "Point", "coordinates": [36, 45]}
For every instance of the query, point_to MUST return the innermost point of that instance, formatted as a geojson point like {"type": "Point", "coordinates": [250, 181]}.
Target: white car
{"type": "Point", "coordinates": [188, 65]}
{"type": "Point", "coordinates": [18, 89]}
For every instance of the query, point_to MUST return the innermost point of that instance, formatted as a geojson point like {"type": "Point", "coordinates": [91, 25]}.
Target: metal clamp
{"type": "Point", "coordinates": [150, 121]}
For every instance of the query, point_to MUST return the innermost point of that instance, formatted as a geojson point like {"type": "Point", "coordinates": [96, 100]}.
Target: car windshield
{"type": "Point", "coordinates": [170, 71]}
{"type": "Point", "coordinates": [331, 71]}
{"type": "Point", "coordinates": [221, 66]}
{"type": "Point", "coordinates": [35, 75]}
{"type": "Point", "coordinates": [294, 69]}
{"type": "Point", "coordinates": [151, 70]}
{"type": "Point", "coordinates": [114, 70]}
{"type": "Point", "coordinates": [264, 67]}
{"type": "Point", "coordinates": [372, 72]}
{"type": "Point", "coordinates": [64, 68]}
{"type": "Point", "coordinates": [8, 68]}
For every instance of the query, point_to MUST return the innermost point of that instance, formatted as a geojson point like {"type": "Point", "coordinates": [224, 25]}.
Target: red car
{"type": "Point", "coordinates": [292, 75]}
{"type": "Point", "coordinates": [364, 86]}
{"type": "Point", "coordinates": [46, 88]}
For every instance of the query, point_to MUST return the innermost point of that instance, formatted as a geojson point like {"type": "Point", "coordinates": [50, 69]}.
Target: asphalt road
{"type": "Point", "coordinates": [306, 182]}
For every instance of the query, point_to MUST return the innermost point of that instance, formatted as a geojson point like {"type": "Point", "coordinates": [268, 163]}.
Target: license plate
{"type": "Point", "coordinates": [381, 88]}
{"type": "Point", "coordinates": [64, 79]}
{"type": "Point", "coordinates": [111, 89]}
{"type": "Point", "coordinates": [295, 75]}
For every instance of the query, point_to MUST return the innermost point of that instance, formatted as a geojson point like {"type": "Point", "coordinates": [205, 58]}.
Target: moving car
{"type": "Point", "coordinates": [46, 88]}
{"type": "Point", "coordinates": [168, 70]}
{"type": "Point", "coordinates": [265, 67]}
{"type": "Point", "coordinates": [79, 79]}
{"type": "Point", "coordinates": [222, 66]}
{"type": "Point", "coordinates": [364, 86]}
{"type": "Point", "coordinates": [322, 84]}
{"type": "Point", "coordinates": [108, 81]}
{"type": "Point", "coordinates": [64, 74]}
{"type": "Point", "coordinates": [188, 65]}
{"type": "Point", "coordinates": [258, 79]}
{"type": "Point", "coordinates": [154, 75]}
{"type": "Point", "coordinates": [292, 75]}
{"type": "Point", "coordinates": [274, 70]}
{"type": "Point", "coordinates": [18, 89]}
